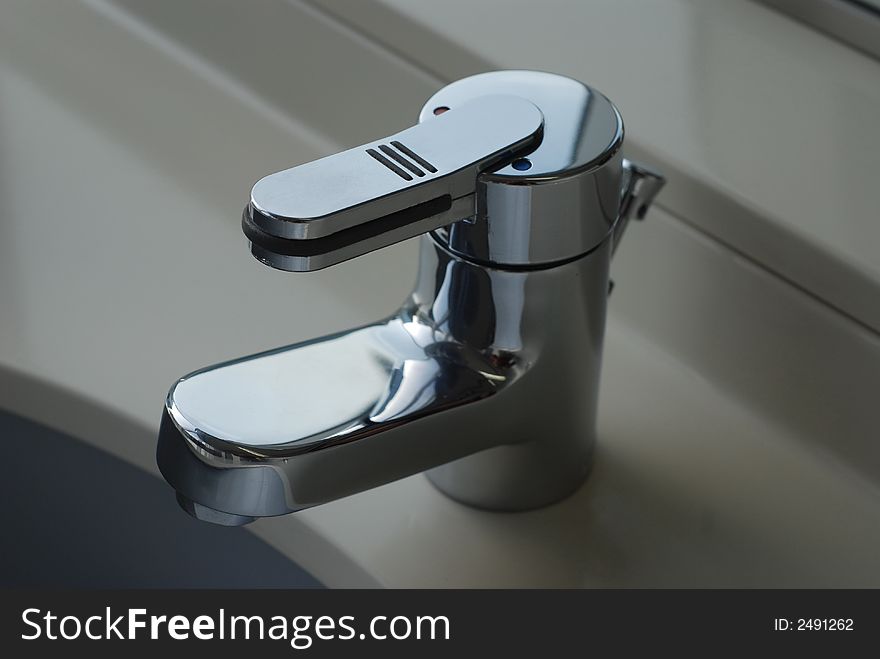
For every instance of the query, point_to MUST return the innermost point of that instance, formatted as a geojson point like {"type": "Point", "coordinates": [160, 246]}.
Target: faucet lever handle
{"type": "Point", "coordinates": [339, 207]}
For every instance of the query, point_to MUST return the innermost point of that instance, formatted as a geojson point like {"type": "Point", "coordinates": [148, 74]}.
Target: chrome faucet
{"type": "Point", "coordinates": [487, 376]}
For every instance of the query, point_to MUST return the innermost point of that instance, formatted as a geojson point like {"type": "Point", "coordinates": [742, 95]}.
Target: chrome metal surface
{"type": "Point", "coordinates": [316, 421]}
{"type": "Point", "coordinates": [566, 202]}
{"type": "Point", "coordinates": [487, 376]}
{"type": "Point", "coordinates": [377, 194]}
{"type": "Point", "coordinates": [640, 185]}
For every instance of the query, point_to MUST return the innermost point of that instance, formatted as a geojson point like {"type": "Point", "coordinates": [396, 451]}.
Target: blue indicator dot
{"type": "Point", "coordinates": [521, 164]}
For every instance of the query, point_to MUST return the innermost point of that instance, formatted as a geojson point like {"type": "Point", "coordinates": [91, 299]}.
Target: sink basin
{"type": "Point", "coordinates": [77, 517]}
{"type": "Point", "coordinates": [122, 265]}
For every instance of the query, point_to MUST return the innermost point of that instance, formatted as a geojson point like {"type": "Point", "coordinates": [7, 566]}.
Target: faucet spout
{"type": "Point", "coordinates": [314, 422]}
{"type": "Point", "coordinates": [442, 379]}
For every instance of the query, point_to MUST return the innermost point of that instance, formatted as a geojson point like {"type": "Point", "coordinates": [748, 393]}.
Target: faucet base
{"type": "Point", "coordinates": [471, 480]}
{"type": "Point", "coordinates": [548, 326]}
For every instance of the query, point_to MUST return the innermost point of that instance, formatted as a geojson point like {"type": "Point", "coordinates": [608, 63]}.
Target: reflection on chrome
{"type": "Point", "coordinates": [487, 376]}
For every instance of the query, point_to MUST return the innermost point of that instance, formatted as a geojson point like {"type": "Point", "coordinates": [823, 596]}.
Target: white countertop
{"type": "Point", "coordinates": [122, 267]}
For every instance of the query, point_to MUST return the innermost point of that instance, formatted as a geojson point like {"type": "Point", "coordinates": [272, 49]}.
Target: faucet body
{"type": "Point", "coordinates": [487, 376]}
